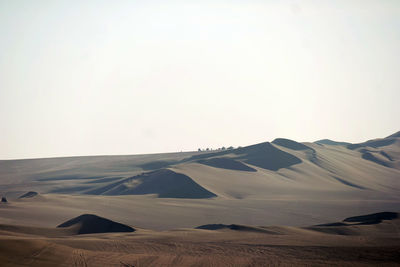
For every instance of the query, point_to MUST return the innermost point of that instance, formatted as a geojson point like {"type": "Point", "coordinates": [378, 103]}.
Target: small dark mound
{"type": "Point", "coordinates": [91, 224]}
{"type": "Point", "coordinates": [331, 142]}
{"type": "Point", "coordinates": [332, 224]}
{"type": "Point", "coordinates": [226, 163]}
{"type": "Point", "coordinates": [235, 227]}
{"type": "Point", "coordinates": [373, 218]}
{"type": "Point", "coordinates": [214, 226]}
{"type": "Point", "coordinates": [290, 144]}
{"type": "Point", "coordinates": [29, 194]}
{"type": "Point", "coordinates": [4, 200]}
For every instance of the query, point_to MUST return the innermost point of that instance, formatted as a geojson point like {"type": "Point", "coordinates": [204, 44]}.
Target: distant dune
{"type": "Point", "coordinates": [383, 151]}
{"type": "Point", "coordinates": [395, 135]}
{"type": "Point", "coordinates": [385, 223]}
{"type": "Point", "coordinates": [331, 142]}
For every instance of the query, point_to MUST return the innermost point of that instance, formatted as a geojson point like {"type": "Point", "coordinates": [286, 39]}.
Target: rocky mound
{"type": "Point", "coordinates": [91, 224]}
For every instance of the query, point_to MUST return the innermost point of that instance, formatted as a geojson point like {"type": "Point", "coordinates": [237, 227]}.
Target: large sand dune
{"type": "Point", "coordinates": [283, 182]}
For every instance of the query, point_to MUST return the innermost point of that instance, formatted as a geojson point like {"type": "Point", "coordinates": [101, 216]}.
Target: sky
{"type": "Point", "coordinates": [133, 77]}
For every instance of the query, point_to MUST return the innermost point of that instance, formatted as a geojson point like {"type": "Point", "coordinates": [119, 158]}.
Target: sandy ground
{"type": "Point", "coordinates": [368, 245]}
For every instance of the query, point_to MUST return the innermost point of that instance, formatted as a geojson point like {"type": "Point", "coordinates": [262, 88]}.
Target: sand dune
{"type": "Point", "coordinates": [90, 224]}
{"type": "Point", "coordinates": [165, 183]}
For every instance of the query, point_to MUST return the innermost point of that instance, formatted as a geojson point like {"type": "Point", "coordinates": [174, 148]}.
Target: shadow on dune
{"type": "Point", "coordinates": [156, 165]}
{"type": "Point", "coordinates": [347, 183]}
{"type": "Point", "coordinates": [374, 218]}
{"type": "Point", "coordinates": [67, 177]}
{"type": "Point", "coordinates": [358, 224]}
{"type": "Point", "coordinates": [226, 163]}
{"type": "Point", "coordinates": [29, 194]}
{"type": "Point", "coordinates": [374, 143]}
{"type": "Point", "coordinates": [70, 190]}
{"type": "Point", "coordinates": [331, 142]}
{"type": "Point", "coordinates": [235, 227]}
{"type": "Point", "coordinates": [104, 180]}
{"type": "Point", "coordinates": [90, 224]}
{"type": "Point", "coordinates": [371, 157]}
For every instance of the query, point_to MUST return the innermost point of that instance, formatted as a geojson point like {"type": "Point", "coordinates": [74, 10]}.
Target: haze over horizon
{"type": "Point", "coordinates": [78, 78]}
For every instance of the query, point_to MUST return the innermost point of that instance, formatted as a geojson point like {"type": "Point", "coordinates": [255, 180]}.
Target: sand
{"type": "Point", "coordinates": [234, 245]}
{"type": "Point", "coordinates": [283, 183]}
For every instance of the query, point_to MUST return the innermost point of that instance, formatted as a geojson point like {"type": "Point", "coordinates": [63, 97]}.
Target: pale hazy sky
{"type": "Point", "coordinates": [129, 77]}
